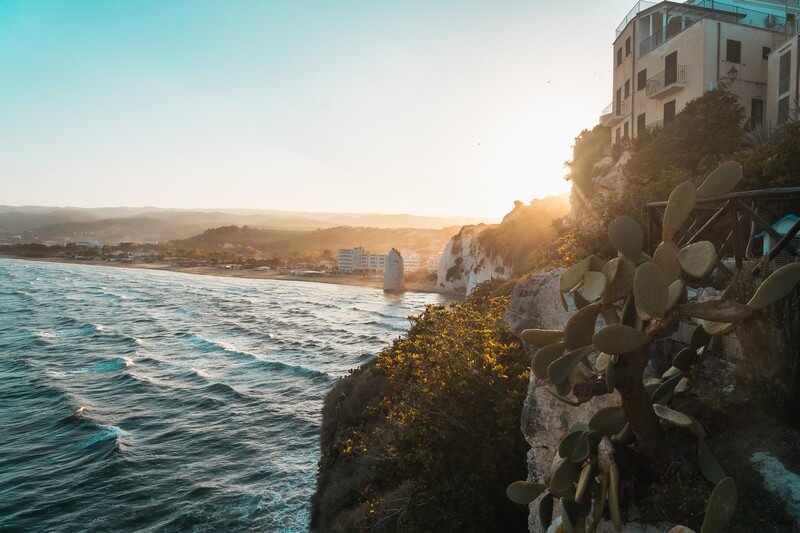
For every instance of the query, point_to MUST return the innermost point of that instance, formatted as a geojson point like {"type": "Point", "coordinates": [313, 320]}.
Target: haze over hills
{"type": "Point", "coordinates": [152, 224]}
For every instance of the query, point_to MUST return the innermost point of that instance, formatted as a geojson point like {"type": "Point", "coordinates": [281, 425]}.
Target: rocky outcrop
{"type": "Point", "coordinates": [608, 181]}
{"type": "Point", "coordinates": [465, 263]}
{"type": "Point", "coordinates": [393, 274]}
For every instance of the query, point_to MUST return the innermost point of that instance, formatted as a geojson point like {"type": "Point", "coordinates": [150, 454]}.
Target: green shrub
{"type": "Point", "coordinates": [589, 148]}
{"type": "Point", "coordinates": [706, 131]}
{"type": "Point", "coordinates": [427, 437]}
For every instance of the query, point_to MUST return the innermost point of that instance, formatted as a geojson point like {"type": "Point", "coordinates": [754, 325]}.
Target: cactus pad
{"type": "Point", "coordinates": [721, 506]}
{"type": "Point", "coordinates": [541, 337]}
{"type": "Point", "coordinates": [776, 287]}
{"type": "Point", "coordinates": [626, 237]}
{"type": "Point", "coordinates": [650, 291]}
{"type": "Point", "coordinates": [679, 206]}
{"type": "Point", "coordinates": [524, 492]}
{"type": "Point", "coordinates": [619, 339]}
{"type": "Point", "coordinates": [666, 257]}
{"type": "Point", "coordinates": [609, 420]}
{"type": "Point", "coordinates": [721, 181]}
{"type": "Point", "coordinates": [698, 259]}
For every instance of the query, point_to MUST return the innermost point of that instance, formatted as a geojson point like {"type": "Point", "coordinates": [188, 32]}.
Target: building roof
{"type": "Point", "coordinates": [721, 10]}
{"type": "Point", "coordinates": [791, 217]}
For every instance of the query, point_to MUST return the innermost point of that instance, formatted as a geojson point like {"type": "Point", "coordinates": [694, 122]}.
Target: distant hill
{"type": "Point", "coordinates": [151, 224]}
{"type": "Point", "coordinates": [281, 242]}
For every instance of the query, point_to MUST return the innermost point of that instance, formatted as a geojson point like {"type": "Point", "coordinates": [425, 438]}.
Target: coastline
{"type": "Point", "coordinates": [373, 283]}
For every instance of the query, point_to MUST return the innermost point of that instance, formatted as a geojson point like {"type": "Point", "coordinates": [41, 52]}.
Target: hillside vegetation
{"type": "Point", "coordinates": [282, 242]}
{"type": "Point", "coordinates": [705, 133]}
{"type": "Point", "coordinates": [426, 436]}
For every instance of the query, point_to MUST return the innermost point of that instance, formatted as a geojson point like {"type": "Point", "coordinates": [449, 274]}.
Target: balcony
{"type": "Point", "coordinates": [614, 113]}
{"type": "Point", "coordinates": [784, 33]}
{"type": "Point", "coordinates": [665, 34]}
{"type": "Point", "coordinates": [666, 82]}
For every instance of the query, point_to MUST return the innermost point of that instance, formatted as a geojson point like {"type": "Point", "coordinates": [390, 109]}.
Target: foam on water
{"type": "Point", "coordinates": [138, 400]}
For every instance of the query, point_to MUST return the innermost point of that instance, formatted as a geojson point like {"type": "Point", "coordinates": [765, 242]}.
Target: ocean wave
{"type": "Point", "coordinates": [296, 370]}
{"type": "Point", "coordinates": [197, 376]}
{"type": "Point", "coordinates": [113, 365]}
{"type": "Point", "coordinates": [108, 433]}
{"type": "Point", "coordinates": [224, 388]}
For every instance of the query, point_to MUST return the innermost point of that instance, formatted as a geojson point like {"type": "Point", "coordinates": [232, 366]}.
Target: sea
{"type": "Point", "coordinates": [137, 400]}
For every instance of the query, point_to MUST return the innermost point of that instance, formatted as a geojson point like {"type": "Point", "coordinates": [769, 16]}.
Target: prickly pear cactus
{"type": "Point", "coordinates": [640, 298]}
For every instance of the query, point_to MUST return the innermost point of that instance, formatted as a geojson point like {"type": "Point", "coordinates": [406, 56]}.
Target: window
{"type": "Point", "coordinates": [669, 112]}
{"type": "Point", "coordinates": [619, 56]}
{"type": "Point", "coordinates": [640, 124]}
{"type": "Point", "coordinates": [785, 73]}
{"type": "Point", "coordinates": [734, 54]}
{"type": "Point", "coordinates": [765, 50]}
{"type": "Point", "coordinates": [626, 135]}
{"type": "Point", "coordinates": [627, 46]}
{"type": "Point", "coordinates": [641, 80]}
{"type": "Point", "coordinates": [671, 69]}
{"type": "Point", "coordinates": [783, 110]}
{"type": "Point", "coordinates": [619, 101]}
{"type": "Point", "coordinates": [756, 111]}
{"type": "Point", "coordinates": [627, 88]}
{"type": "Point", "coordinates": [618, 134]}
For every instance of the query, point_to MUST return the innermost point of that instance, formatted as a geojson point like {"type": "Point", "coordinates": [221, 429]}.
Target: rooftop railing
{"type": "Point", "coordinates": [635, 10]}
{"type": "Point", "coordinates": [747, 16]}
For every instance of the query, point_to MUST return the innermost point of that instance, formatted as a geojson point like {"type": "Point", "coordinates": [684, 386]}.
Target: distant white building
{"type": "Point", "coordinates": [360, 260]}
{"type": "Point", "coordinates": [413, 262]}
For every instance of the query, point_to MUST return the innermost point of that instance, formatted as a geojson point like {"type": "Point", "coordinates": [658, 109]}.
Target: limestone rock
{"type": "Point", "coordinates": [465, 264]}
{"type": "Point", "coordinates": [393, 275]}
{"type": "Point", "coordinates": [535, 304]}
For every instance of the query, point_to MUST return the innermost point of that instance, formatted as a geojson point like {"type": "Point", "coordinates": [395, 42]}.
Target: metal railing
{"type": "Point", "coordinates": [666, 78]}
{"type": "Point", "coordinates": [740, 216]}
{"type": "Point", "coordinates": [635, 10]}
{"type": "Point", "coordinates": [748, 17]}
{"type": "Point", "coordinates": [655, 126]}
{"type": "Point", "coordinates": [663, 35]}
{"type": "Point", "coordinates": [785, 32]}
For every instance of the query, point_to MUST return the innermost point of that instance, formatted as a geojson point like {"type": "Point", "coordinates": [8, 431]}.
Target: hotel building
{"type": "Point", "coordinates": [667, 53]}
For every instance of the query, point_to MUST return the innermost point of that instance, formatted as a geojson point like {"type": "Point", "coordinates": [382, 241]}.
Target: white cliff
{"type": "Point", "coordinates": [465, 263]}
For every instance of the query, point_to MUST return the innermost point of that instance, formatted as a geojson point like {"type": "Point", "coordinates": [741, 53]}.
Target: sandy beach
{"type": "Point", "coordinates": [337, 279]}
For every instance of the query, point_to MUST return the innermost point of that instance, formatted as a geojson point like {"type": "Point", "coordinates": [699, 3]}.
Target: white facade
{"type": "Point", "coordinates": [360, 260]}
{"type": "Point", "coordinates": [667, 53]}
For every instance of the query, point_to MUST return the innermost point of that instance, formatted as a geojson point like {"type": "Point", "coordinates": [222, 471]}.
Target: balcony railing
{"type": "Point", "coordinates": [663, 35]}
{"type": "Point", "coordinates": [665, 80]}
{"type": "Point", "coordinates": [785, 32]}
{"type": "Point", "coordinates": [655, 126]}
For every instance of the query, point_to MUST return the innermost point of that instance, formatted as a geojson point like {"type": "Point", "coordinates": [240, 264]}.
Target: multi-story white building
{"type": "Point", "coordinates": [360, 260]}
{"type": "Point", "coordinates": [667, 53]}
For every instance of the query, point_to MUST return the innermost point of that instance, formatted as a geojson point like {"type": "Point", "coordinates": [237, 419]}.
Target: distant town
{"type": "Point", "coordinates": [349, 265]}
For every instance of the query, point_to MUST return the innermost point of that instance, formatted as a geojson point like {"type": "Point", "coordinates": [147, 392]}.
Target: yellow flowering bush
{"type": "Point", "coordinates": [427, 436]}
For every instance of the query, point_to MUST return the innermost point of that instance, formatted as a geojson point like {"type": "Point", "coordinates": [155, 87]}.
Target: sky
{"type": "Point", "coordinates": [432, 107]}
